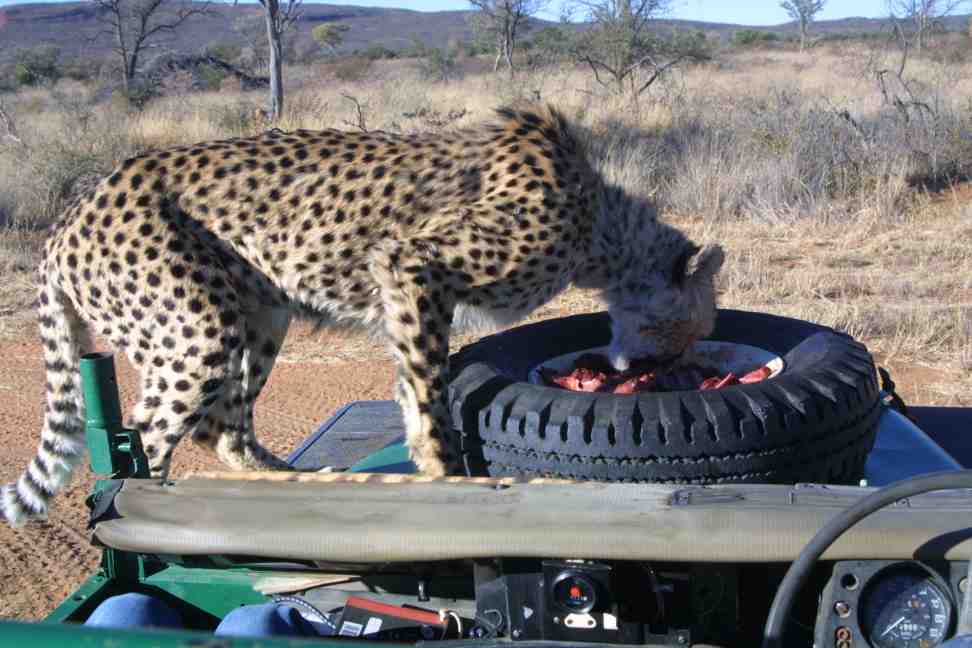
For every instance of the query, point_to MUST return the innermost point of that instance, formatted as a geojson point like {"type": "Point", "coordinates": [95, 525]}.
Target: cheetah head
{"type": "Point", "coordinates": [657, 312]}
{"type": "Point", "coordinates": [658, 285]}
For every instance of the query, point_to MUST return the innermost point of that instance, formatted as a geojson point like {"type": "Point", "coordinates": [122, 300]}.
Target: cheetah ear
{"type": "Point", "coordinates": [705, 264]}
{"type": "Point", "coordinates": [680, 271]}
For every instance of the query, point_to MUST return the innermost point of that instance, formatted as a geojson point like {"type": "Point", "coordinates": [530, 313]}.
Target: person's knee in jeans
{"type": "Point", "coordinates": [265, 620]}
{"type": "Point", "coordinates": [134, 610]}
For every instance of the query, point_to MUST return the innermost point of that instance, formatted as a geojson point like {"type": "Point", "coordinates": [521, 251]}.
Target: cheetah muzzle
{"type": "Point", "coordinates": [194, 260]}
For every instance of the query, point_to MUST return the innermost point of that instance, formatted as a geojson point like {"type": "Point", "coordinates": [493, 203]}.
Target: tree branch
{"type": "Point", "coordinates": [360, 121]}
{"type": "Point", "coordinates": [9, 128]}
{"type": "Point", "coordinates": [660, 71]}
{"type": "Point", "coordinates": [182, 16]}
{"type": "Point", "coordinates": [594, 65]}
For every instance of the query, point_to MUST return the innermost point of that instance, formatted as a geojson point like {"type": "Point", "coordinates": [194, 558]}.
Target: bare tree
{"type": "Point", "coordinates": [279, 16]}
{"type": "Point", "coordinates": [924, 15]}
{"type": "Point", "coordinates": [502, 22]}
{"type": "Point", "coordinates": [135, 26]}
{"type": "Point", "coordinates": [803, 12]}
{"type": "Point", "coordinates": [621, 42]}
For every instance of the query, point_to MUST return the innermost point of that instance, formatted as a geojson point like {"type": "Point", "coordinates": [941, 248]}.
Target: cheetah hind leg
{"type": "Point", "coordinates": [228, 430]}
{"type": "Point", "coordinates": [417, 317]}
{"type": "Point", "coordinates": [173, 405]}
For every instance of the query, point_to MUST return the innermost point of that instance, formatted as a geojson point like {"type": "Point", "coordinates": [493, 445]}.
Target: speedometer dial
{"type": "Point", "coordinates": [904, 608]}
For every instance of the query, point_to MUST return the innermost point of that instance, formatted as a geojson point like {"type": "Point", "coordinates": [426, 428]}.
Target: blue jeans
{"type": "Point", "coordinates": [135, 610]}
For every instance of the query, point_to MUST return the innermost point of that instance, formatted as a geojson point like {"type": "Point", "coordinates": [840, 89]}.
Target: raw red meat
{"type": "Point", "coordinates": [593, 373]}
{"type": "Point", "coordinates": [756, 375]}
{"type": "Point", "coordinates": [717, 382]}
{"type": "Point", "coordinates": [642, 383]}
{"type": "Point", "coordinates": [580, 379]}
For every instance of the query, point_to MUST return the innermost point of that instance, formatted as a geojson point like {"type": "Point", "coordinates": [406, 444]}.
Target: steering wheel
{"type": "Point", "coordinates": [796, 575]}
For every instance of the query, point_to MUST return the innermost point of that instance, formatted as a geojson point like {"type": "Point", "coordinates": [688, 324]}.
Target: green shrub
{"type": "Point", "coordinates": [377, 52]}
{"type": "Point", "coordinates": [211, 76]}
{"type": "Point", "coordinates": [473, 48]}
{"type": "Point", "coordinates": [37, 63]}
{"type": "Point", "coordinates": [750, 37]}
{"type": "Point", "coordinates": [553, 43]}
{"type": "Point", "coordinates": [24, 76]}
{"type": "Point", "coordinates": [138, 95]}
{"type": "Point", "coordinates": [228, 52]}
{"type": "Point", "coordinates": [440, 65]}
{"type": "Point", "coordinates": [418, 49]}
{"type": "Point", "coordinates": [329, 36]}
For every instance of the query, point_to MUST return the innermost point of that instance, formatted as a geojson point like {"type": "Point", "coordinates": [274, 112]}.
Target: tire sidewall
{"type": "Point", "coordinates": [824, 404]}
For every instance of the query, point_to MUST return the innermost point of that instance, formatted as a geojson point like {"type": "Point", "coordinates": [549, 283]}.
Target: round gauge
{"type": "Point", "coordinates": [574, 593]}
{"type": "Point", "coordinates": [902, 607]}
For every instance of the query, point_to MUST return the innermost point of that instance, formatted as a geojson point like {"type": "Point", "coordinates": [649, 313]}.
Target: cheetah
{"type": "Point", "coordinates": [194, 260]}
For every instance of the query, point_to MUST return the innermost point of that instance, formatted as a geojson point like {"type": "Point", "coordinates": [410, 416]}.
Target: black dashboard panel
{"type": "Point", "coordinates": [518, 602]}
{"type": "Point", "coordinates": [611, 602]}
{"type": "Point", "coordinates": [890, 604]}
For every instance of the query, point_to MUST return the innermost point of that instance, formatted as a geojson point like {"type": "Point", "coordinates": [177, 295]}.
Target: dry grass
{"type": "Point", "coordinates": [18, 252]}
{"type": "Point", "coordinates": [903, 289]}
{"type": "Point", "coordinates": [822, 219]}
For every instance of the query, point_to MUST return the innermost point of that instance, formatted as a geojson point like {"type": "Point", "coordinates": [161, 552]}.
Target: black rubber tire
{"type": "Point", "coordinates": [815, 422]}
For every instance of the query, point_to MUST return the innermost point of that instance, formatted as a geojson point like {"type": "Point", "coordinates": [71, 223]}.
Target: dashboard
{"type": "Point", "coordinates": [851, 604]}
{"type": "Point", "coordinates": [890, 604]}
{"type": "Point", "coordinates": [846, 604]}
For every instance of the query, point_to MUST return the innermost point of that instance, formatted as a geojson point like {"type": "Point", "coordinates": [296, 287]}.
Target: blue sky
{"type": "Point", "coordinates": [747, 12]}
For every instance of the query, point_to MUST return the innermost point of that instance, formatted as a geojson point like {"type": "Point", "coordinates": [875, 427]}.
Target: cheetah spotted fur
{"type": "Point", "coordinates": [194, 260]}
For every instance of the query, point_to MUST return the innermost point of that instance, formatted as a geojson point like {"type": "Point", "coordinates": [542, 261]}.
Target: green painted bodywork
{"type": "Point", "coordinates": [84, 599]}
{"type": "Point", "coordinates": [204, 590]}
{"type": "Point", "coordinates": [393, 458]}
{"type": "Point", "coordinates": [113, 450]}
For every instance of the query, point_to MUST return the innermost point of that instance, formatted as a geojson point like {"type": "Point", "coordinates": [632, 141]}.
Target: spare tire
{"type": "Point", "coordinates": [814, 422]}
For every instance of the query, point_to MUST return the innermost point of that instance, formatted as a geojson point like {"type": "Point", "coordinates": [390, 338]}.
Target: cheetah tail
{"type": "Point", "coordinates": [62, 444]}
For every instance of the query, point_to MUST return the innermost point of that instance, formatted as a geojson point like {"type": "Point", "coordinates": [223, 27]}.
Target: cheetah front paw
{"type": "Point", "coordinates": [430, 464]}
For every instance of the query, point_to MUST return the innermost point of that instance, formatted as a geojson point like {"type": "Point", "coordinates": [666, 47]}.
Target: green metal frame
{"type": "Point", "coordinates": [203, 589]}
{"type": "Point", "coordinates": [393, 458]}
{"type": "Point", "coordinates": [113, 450]}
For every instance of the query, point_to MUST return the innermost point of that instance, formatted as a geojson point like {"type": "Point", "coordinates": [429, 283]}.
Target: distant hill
{"type": "Point", "coordinates": [74, 27]}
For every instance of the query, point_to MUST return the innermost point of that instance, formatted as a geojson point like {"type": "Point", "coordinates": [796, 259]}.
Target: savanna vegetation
{"type": "Point", "coordinates": [836, 176]}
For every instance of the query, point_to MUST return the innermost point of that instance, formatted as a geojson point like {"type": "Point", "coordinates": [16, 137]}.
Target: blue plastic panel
{"type": "Point", "coordinates": [903, 450]}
